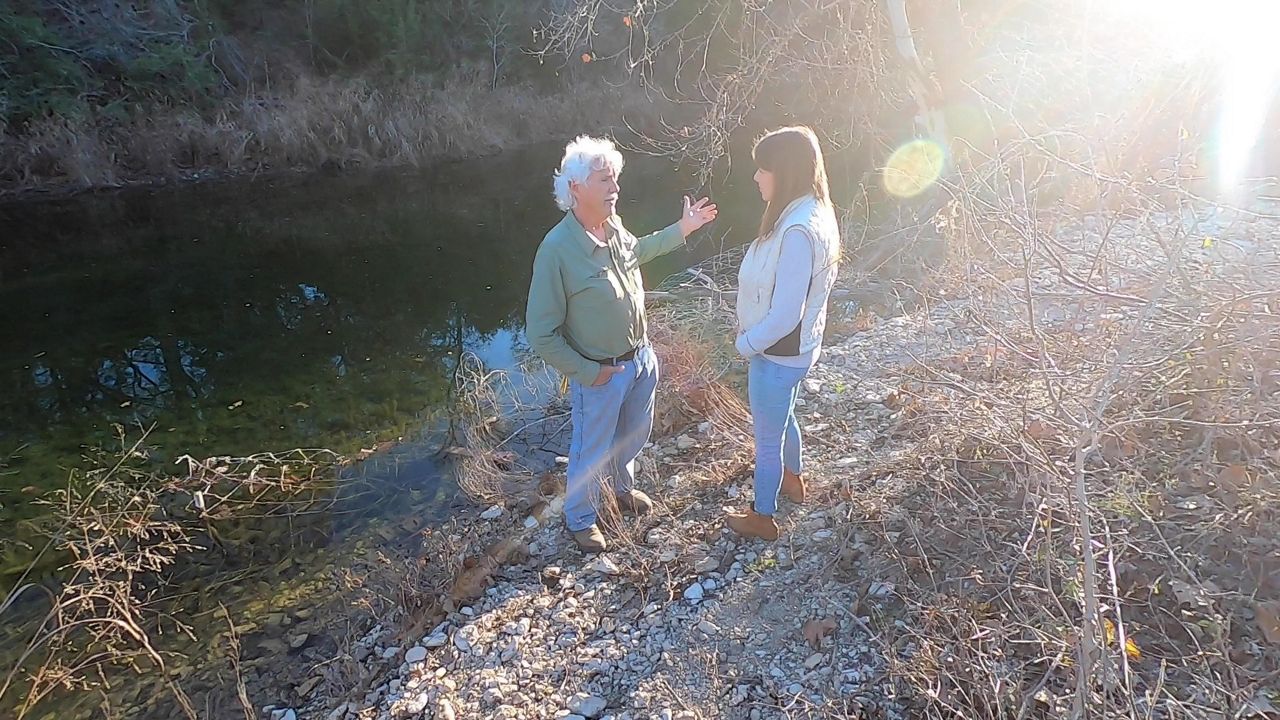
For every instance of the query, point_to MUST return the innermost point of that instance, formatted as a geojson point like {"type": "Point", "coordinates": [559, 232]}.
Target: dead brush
{"type": "Point", "coordinates": [485, 404]}
{"type": "Point", "coordinates": [1075, 508]}
{"type": "Point", "coordinates": [689, 337]}
{"type": "Point", "coordinates": [127, 534]}
{"type": "Point", "coordinates": [420, 591]}
{"type": "Point", "coordinates": [104, 618]}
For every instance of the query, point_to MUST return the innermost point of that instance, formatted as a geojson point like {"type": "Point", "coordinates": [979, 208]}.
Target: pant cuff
{"type": "Point", "coordinates": [582, 527]}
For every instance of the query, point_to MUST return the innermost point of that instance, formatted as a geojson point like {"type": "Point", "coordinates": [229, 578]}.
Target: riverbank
{"type": "Point", "coordinates": [937, 569]}
{"type": "Point", "coordinates": [103, 95]}
{"type": "Point", "coordinates": [318, 124]}
{"type": "Point", "coordinates": [277, 314]}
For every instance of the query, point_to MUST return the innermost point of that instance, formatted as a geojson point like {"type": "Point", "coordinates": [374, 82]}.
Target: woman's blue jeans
{"type": "Point", "coordinates": [772, 390]}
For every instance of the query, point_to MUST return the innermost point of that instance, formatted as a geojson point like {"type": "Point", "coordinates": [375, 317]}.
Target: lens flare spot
{"type": "Point", "coordinates": [913, 168]}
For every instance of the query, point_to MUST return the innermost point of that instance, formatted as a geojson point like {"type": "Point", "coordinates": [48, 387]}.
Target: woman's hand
{"type": "Point", "coordinates": [696, 215]}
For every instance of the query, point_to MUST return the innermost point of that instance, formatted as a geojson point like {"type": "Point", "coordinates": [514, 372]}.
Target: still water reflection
{"type": "Point", "coordinates": [265, 315]}
{"type": "Point", "coordinates": [268, 314]}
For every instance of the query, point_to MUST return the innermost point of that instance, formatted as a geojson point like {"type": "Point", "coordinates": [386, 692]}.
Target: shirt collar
{"type": "Point", "coordinates": [587, 239]}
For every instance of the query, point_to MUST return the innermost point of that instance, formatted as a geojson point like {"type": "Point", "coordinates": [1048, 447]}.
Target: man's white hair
{"type": "Point", "coordinates": [582, 157]}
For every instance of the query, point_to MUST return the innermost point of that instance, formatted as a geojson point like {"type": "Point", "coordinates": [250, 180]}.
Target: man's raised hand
{"type": "Point", "coordinates": [696, 215]}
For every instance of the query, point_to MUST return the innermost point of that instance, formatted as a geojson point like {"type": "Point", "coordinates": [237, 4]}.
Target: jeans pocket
{"type": "Point", "coordinates": [601, 386]}
{"type": "Point", "coordinates": [774, 372]}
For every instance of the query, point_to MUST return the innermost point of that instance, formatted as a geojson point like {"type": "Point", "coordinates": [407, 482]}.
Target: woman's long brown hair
{"type": "Point", "coordinates": [793, 156]}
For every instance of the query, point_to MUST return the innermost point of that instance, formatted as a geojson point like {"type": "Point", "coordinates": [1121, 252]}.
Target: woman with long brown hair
{"type": "Point", "coordinates": [783, 286]}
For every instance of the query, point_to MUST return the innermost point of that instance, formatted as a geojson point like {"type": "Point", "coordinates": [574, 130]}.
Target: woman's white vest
{"type": "Point", "coordinates": [759, 269]}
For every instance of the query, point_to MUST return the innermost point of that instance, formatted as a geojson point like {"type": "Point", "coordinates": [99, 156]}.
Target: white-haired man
{"type": "Point", "coordinates": [586, 319]}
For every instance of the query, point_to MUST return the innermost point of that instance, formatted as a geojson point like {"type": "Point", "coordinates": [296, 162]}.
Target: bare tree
{"type": "Point", "coordinates": [728, 63]}
{"type": "Point", "coordinates": [496, 30]}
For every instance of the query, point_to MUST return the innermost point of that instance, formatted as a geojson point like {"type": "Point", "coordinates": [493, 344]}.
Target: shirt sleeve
{"type": "Point", "coordinates": [790, 291]}
{"type": "Point", "coordinates": [659, 243]}
{"type": "Point", "coordinates": [545, 316]}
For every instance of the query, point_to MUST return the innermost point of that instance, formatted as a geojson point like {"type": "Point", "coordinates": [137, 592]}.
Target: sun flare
{"type": "Point", "coordinates": [1237, 37]}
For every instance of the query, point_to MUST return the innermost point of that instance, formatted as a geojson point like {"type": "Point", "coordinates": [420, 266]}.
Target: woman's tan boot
{"type": "Point", "coordinates": [793, 487]}
{"type": "Point", "coordinates": [752, 524]}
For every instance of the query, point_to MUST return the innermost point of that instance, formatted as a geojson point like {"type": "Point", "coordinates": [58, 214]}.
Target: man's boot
{"type": "Point", "coordinates": [590, 540]}
{"type": "Point", "coordinates": [634, 502]}
{"type": "Point", "coordinates": [793, 487]}
{"type": "Point", "coordinates": [752, 524]}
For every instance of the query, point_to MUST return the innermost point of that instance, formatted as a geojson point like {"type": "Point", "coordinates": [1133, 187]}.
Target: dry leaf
{"type": "Point", "coordinates": [1268, 616]}
{"type": "Point", "coordinates": [1130, 647]}
{"type": "Point", "coordinates": [550, 483]}
{"type": "Point", "coordinates": [1156, 505]}
{"type": "Point", "coordinates": [893, 400]}
{"type": "Point", "coordinates": [504, 460]}
{"type": "Point", "coordinates": [1039, 430]}
{"type": "Point", "coordinates": [1233, 477]}
{"type": "Point", "coordinates": [815, 630]}
{"type": "Point", "coordinates": [471, 584]}
{"type": "Point", "coordinates": [1123, 446]}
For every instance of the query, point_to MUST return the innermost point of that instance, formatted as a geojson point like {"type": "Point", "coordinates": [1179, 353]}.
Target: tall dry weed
{"type": "Point", "coordinates": [315, 123]}
{"type": "Point", "coordinates": [63, 150]}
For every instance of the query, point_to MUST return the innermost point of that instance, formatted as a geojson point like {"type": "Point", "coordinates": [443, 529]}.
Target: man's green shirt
{"type": "Point", "coordinates": [586, 302]}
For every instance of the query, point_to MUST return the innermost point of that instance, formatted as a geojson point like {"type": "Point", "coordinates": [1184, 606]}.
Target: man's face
{"type": "Point", "coordinates": [597, 197]}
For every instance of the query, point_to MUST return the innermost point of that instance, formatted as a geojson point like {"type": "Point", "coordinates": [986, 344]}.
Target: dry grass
{"type": "Point", "coordinates": [687, 322]}
{"type": "Point", "coordinates": [1078, 509]}
{"type": "Point", "coordinates": [126, 533]}
{"type": "Point", "coordinates": [315, 124]}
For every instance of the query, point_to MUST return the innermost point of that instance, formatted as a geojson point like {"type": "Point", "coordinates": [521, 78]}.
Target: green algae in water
{"type": "Point", "coordinates": [244, 317]}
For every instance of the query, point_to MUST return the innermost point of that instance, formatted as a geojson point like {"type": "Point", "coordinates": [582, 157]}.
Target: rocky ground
{"type": "Point", "coordinates": [925, 576]}
{"type": "Point", "coordinates": [683, 619]}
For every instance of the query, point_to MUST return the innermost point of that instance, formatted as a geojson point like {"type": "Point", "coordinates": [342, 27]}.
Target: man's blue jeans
{"type": "Point", "coordinates": [772, 390]}
{"type": "Point", "coordinates": [611, 424]}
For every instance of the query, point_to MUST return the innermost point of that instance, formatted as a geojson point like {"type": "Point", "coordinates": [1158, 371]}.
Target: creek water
{"type": "Point", "coordinates": [270, 314]}
{"type": "Point", "coordinates": [266, 314]}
